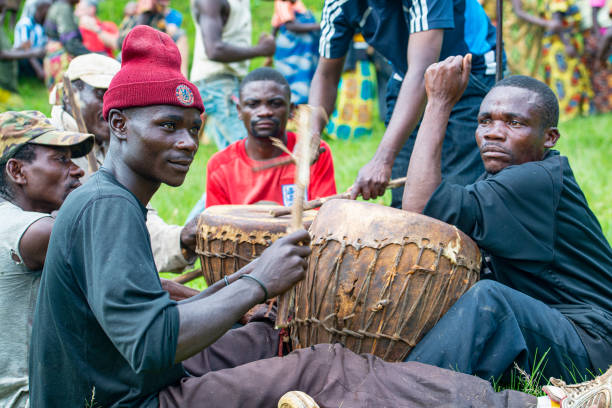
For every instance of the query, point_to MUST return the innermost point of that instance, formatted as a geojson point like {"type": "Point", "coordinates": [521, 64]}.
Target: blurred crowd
{"type": "Point", "coordinates": [565, 43]}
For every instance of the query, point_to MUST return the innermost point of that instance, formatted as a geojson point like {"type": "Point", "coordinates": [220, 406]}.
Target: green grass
{"type": "Point", "coordinates": [586, 141]}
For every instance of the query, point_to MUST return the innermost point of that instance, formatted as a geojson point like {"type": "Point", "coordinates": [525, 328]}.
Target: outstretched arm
{"type": "Point", "coordinates": [445, 82]}
{"type": "Point", "coordinates": [423, 50]}
{"type": "Point", "coordinates": [210, 17]}
{"type": "Point", "coordinates": [17, 54]}
{"type": "Point", "coordinates": [517, 6]}
{"type": "Point", "coordinates": [203, 318]}
{"type": "Point", "coordinates": [302, 27]}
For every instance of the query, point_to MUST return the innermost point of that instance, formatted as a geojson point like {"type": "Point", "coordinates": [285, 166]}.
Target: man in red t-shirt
{"type": "Point", "coordinates": [264, 108]}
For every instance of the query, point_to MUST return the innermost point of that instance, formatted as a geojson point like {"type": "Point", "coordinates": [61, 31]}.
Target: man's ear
{"type": "Point", "coordinates": [291, 110]}
{"type": "Point", "coordinates": [239, 109]}
{"type": "Point", "coordinates": [551, 135]}
{"type": "Point", "coordinates": [117, 121]}
{"type": "Point", "coordinates": [14, 170]}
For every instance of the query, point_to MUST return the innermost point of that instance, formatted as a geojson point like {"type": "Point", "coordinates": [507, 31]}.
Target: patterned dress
{"type": "Point", "coordinates": [522, 40]}
{"type": "Point", "coordinates": [567, 76]}
{"type": "Point", "coordinates": [296, 54]}
{"type": "Point", "coordinates": [353, 117]}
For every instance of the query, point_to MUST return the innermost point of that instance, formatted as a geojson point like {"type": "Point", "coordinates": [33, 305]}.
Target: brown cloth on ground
{"type": "Point", "coordinates": [237, 371]}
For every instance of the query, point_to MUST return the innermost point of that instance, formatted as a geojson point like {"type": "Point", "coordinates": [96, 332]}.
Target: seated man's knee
{"type": "Point", "coordinates": [486, 291]}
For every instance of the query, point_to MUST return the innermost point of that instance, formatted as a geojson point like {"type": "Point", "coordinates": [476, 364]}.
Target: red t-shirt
{"type": "Point", "coordinates": [231, 180]}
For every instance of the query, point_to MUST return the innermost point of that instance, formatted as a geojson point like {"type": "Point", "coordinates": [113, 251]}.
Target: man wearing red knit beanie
{"type": "Point", "coordinates": [104, 329]}
{"type": "Point", "coordinates": [105, 333]}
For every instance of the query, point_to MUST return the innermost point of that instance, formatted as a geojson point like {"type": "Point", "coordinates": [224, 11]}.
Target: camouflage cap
{"type": "Point", "coordinates": [19, 128]}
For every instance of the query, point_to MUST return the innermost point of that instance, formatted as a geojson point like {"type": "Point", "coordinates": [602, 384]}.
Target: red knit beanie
{"type": "Point", "coordinates": [150, 74]}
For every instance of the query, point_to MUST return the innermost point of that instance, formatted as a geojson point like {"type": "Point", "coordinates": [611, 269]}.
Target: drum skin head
{"type": "Point", "coordinates": [231, 236]}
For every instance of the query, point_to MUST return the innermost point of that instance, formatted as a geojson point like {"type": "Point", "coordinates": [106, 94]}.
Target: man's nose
{"type": "Point", "coordinates": [265, 110]}
{"type": "Point", "coordinates": [76, 171]}
{"type": "Point", "coordinates": [187, 141]}
{"type": "Point", "coordinates": [495, 131]}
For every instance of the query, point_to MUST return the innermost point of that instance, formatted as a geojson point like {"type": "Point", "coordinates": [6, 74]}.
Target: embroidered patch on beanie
{"type": "Point", "coordinates": [184, 95]}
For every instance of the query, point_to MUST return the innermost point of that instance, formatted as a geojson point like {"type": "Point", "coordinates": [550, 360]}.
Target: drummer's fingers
{"type": "Point", "coordinates": [301, 263]}
{"type": "Point", "coordinates": [303, 251]}
{"type": "Point", "coordinates": [380, 190]}
{"type": "Point", "coordinates": [298, 236]}
{"type": "Point", "coordinates": [365, 191]}
{"type": "Point", "coordinates": [354, 190]}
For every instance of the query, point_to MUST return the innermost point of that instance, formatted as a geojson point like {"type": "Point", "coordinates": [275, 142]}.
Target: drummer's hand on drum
{"type": "Point", "coordinates": [284, 263]}
{"type": "Point", "coordinates": [188, 235]}
{"type": "Point", "coordinates": [445, 81]}
{"type": "Point", "coordinates": [372, 179]}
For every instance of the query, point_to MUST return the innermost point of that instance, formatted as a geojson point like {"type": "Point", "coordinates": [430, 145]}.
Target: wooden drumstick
{"type": "Point", "coordinates": [309, 205]}
{"type": "Point", "coordinates": [302, 173]}
{"type": "Point", "coordinates": [78, 117]}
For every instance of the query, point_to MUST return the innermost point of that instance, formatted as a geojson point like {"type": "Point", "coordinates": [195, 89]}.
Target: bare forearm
{"type": "Point", "coordinates": [224, 52]}
{"type": "Point", "coordinates": [408, 110]}
{"type": "Point", "coordinates": [302, 27]}
{"type": "Point", "coordinates": [203, 321]}
{"type": "Point", "coordinates": [424, 171]}
{"type": "Point", "coordinates": [522, 14]}
{"type": "Point", "coordinates": [423, 50]}
{"type": "Point", "coordinates": [324, 86]}
{"type": "Point", "coordinates": [17, 54]}
{"type": "Point", "coordinates": [215, 287]}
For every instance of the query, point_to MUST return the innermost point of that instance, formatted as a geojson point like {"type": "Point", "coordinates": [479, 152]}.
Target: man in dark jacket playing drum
{"type": "Point", "coordinates": [549, 292]}
{"type": "Point", "coordinates": [106, 334]}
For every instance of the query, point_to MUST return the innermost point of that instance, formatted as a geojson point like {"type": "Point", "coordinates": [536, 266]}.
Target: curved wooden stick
{"type": "Point", "coordinates": [309, 205]}
{"type": "Point", "coordinates": [78, 117]}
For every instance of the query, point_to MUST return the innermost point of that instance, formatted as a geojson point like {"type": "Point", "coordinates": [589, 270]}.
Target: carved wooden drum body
{"type": "Point", "coordinates": [231, 236]}
{"type": "Point", "coordinates": [378, 279]}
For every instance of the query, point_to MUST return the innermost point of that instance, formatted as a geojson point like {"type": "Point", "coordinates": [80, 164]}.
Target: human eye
{"type": "Point", "coordinates": [168, 125]}
{"type": "Point", "coordinates": [515, 123]}
{"type": "Point", "coordinates": [484, 121]}
{"type": "Point", "coordinates": [194, 130]}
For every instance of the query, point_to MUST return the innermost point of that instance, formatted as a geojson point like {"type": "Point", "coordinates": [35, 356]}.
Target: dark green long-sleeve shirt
{"type": "Point", "coordinates": [543, 240]}
{"type": "Point", "coordinates": [102, 319]}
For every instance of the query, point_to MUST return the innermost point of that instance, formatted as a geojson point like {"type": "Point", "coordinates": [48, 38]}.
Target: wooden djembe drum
{"type": "Point", "coordinates": [378, 279]}
{"type": "Point", "coordinates": [231, 236]}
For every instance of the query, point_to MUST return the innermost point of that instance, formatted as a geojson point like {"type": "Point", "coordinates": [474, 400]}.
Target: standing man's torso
{"type": "Point", "coordinates": [387, 24]}
{"type": "Point", "coordinates": [236, 31]}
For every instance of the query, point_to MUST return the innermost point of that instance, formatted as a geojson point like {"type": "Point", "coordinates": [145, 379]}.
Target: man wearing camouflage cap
{"type": "Point", "coordinates": [90, 76]}
{"type": "Point", "coordinates": [36, 175]}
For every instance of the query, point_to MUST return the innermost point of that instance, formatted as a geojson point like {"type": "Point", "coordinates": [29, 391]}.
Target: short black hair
{"type": "Point", "coordinates": [266, 74]}
{"type": "Point", "coordinates": [549, 105]}
{"type": "Point", "coordinates": [26, 153]}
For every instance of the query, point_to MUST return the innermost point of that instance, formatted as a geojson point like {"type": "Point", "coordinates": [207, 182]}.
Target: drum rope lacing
{"type": "Point", "coordinates": [383, 305]}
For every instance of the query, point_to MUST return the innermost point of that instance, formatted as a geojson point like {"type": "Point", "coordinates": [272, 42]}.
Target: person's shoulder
{"type": "Point", "coordinates": [58, 6]}
{"type": "Point", "coordinates": [542, 176]}
{"type": "Point", "coordinates": [13, 215]}
{"type": "Point", "coordinates": [98, 187]}
{"type": "Point", "coordinates": [229, 154]}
